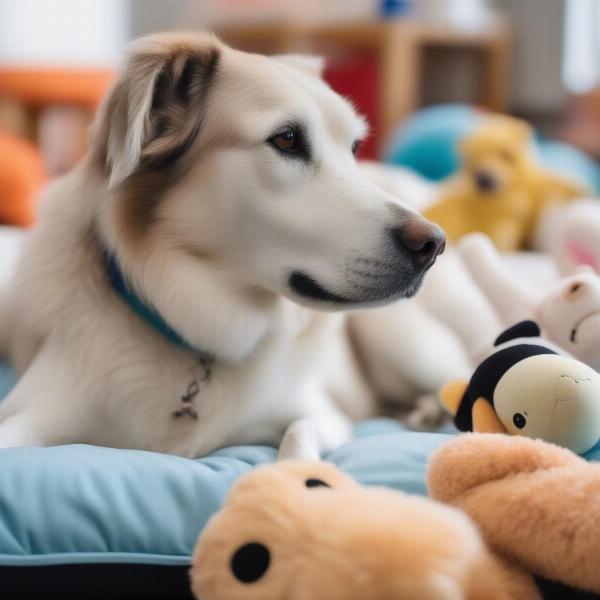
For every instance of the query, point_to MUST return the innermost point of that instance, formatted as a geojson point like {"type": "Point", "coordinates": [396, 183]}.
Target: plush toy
{"type": "Point", "coordinates": [302, 530]}
{"type": "Point", "coordinates": [572, 236]}
{"type": "Point", "coordinates": [536, 504]}
{"type": "Point", "coordinates": [568, 313]}
{"type": "Point", "coordinates": [526, 387]}
{"type": "Point", "coordinates": [426, 142]}
{"type": "Point", "coordinates": [501, 190]}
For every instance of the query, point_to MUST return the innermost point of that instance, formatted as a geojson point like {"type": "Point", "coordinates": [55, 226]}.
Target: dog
{"type": "Point", "coordinates": [185, 287]}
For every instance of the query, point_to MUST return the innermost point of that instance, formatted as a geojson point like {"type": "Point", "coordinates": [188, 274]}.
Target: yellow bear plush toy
{"type": "Point", "coordinates": [501, 189]}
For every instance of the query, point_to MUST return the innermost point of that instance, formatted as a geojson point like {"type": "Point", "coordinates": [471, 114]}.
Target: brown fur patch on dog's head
{"type": "Point", "coordinates": [151, 117]}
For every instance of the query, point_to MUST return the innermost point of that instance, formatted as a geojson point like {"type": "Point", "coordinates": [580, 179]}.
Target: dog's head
{"type": "Point", "coordinates": [498, 155]}
{"type": "Point", "coordinates": [248, 163]}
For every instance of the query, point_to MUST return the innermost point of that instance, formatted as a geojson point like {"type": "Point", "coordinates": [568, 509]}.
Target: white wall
{"type": "Point", "coordinates": [538, 54]}
{"type": "Point", "coordinates": [581, 67]}
{"type": "Point", "coordinates": [62, 32]}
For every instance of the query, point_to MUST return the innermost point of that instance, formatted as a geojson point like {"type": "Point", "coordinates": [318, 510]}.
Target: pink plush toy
{"type": "Point", "coordinates": [576, 236]}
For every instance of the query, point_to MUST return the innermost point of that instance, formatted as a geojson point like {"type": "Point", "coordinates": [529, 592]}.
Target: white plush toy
{"type": "Point", "coordinates": [568, 313]}
{"type": "Point", "coordinates": [411, 348]}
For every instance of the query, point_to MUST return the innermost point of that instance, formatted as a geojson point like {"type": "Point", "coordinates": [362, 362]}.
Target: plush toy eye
{"type": "Point", "coordinates": [356, 147]}
{"type": "Point", "coordinates": [312, 483]}
{"type": "Point", "coordinates": [250, 562]}
{"type": "Point", "coordinates": [575, 288]}
{"type": "Point", "coordinates": [519, 420]}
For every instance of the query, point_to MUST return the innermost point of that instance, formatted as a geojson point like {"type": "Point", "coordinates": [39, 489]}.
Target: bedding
{"type": "Point", "coordinates": [98, 522]}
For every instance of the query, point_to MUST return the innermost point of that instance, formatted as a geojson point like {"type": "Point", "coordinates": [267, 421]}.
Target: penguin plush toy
{"type": "Point", "coordinates": [526, 386]}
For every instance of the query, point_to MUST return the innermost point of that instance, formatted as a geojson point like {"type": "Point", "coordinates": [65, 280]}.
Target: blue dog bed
{"type": "Point", "coordinates": [91, 522]}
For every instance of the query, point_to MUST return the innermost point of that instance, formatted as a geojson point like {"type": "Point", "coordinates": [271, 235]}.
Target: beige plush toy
{"type": "Point", "coordinates": [501, 189]}
{"type": "Point", "coordinates": [527, 386]}
{"type": "Point", "coordinates": [536, 504]}
{"type": "Point", "coordinates": [302, 530]}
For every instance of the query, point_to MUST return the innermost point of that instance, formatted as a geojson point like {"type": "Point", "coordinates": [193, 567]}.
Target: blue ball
{"type": "Point", "coordinates": [560, 157]}
{"type": "Point", "coordinates": [427, 141]}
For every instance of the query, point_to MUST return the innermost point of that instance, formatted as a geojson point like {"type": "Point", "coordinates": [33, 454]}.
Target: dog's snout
{"type": "Point", "coordinates": [422, 239]}
{"type": "Point", "coordinates": [485, 181]}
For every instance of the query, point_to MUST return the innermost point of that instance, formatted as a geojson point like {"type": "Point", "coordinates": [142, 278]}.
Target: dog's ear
{"type": "Point", "coordinates": [307, 63]}
{"type": "Point", "coordinates": [154, 110]}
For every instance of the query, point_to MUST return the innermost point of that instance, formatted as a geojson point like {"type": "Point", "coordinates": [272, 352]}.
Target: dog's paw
{"type": "Point", "coordinates": [332, 432]}
{"type": "Point", "coordinates": [428, 414]}
{"type": "Point", "coordinates": [300, 441]}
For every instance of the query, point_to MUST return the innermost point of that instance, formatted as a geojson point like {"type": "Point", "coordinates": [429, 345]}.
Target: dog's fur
{"type": "Point", "coordinates": [233, 241]}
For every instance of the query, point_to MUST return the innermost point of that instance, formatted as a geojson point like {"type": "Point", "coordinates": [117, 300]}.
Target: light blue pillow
{"type": "Point", "coordinates": [86, 504]}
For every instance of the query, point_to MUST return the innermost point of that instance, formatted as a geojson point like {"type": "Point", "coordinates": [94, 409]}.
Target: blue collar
{"type": "Point", "coordinates": [151, 316]}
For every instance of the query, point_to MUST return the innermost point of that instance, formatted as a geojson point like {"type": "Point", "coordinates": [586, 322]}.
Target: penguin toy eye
{"type": "Point", "coordinates": [519, 420]}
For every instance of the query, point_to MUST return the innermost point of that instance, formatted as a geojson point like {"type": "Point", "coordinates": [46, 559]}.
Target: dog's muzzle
{"type": "Point", "coordinates": [411, 248]}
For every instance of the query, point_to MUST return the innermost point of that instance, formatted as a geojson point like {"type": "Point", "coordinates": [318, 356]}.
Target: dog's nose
{"type": "Point", "coordinates": [485, 181]}
{"type": "Point", "coordinates": [422, 239]}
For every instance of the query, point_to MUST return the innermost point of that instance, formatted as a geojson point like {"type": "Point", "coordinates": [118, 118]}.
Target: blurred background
{"type": "Point", "coordinates": [539, 59]}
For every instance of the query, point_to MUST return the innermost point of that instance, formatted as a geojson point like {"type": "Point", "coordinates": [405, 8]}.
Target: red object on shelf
{"type": "Point", "coordinates": [356, 78]}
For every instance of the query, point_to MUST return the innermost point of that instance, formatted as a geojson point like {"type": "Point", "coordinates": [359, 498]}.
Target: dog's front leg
{"type": "Point", "coordinates": [21, 430]}
{"type": "Point", "coordinates": [41, 409]}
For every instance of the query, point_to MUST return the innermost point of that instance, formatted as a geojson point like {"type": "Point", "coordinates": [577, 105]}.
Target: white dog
{"type": "Point", "coordinates": [166, 301]}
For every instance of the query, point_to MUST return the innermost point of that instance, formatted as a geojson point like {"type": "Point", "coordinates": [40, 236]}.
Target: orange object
{"type": "Point", "coordinates": [41, 87]}
{"type": "Point", "coordinates": [22, 175]}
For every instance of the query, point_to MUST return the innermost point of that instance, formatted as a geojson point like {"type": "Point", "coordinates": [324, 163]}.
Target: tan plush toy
{"type": "Point", "coordinates": [536, 504]}
{"type": "Point", "coordinates": [501, 189]}
{"type": "Point", "coordinates": [302, 530]}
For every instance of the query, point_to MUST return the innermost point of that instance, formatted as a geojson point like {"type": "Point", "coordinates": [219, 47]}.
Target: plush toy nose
{"type": "Point", "coordinates": [485, 181]}
{"type": "Point", "coordinates": [423, 240]}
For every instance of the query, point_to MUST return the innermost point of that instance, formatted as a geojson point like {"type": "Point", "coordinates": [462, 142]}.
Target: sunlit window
{"type": "Point", "coordinates": [581, 67]}
{"type": "Point", "coordinates": [66, 33]}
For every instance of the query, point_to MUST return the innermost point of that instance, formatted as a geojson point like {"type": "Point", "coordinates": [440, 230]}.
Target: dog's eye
{"type": "Point", "coordinates": [507, 156]}
{"type": "Point", "coordinates": [356, 147]}
{"type": "Point", "coordinates": [286, 140]}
